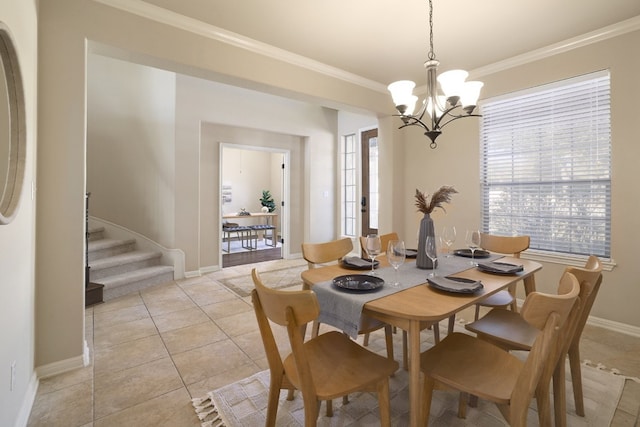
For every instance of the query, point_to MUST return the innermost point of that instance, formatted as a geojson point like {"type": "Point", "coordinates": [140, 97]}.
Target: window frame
{"type": "Point", "coordinates": [497, 115]}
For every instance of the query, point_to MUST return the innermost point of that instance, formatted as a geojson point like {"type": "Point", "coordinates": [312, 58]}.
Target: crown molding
{"type": "Point", "coordinates": [167, 17]}
{"type": "Point", "coordinates": [615, 30]}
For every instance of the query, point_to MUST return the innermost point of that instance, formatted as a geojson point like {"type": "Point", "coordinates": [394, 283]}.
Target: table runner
{"type": "Point", "coordinates": [343, 309]}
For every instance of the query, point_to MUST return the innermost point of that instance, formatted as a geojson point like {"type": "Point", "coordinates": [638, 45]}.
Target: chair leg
{"type": "Point", "coordinates": [462, 405]}
{"type": "Point", "coordinates": [329, 408]}
{"type": "Point", "coordinates": [405, 351]}
{"type": "Point", "coordinates": [477, 315]}
{"type": "Point", "coordinates": [272, 403]}
{"type": "Point", "coordinates": [576, 377]}
{"type": "Point", "coordinates": [559, 394]}
{"type": "Point", "coordinates": [452, 322]}
{"type": "Point", "coordinates": [388, 337]}
{"type": "Point", "coordinates": [383, 403]}
{"type": "Point", "coordinates": [365, 342]}
{"type": "Point", "coordinates": [427, 393]}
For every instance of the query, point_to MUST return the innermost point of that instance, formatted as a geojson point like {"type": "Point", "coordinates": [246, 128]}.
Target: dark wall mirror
{"type": "Point", "coordinates": [12, 128]}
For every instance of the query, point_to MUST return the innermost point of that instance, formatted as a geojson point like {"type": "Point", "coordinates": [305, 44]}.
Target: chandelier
{"type": "Point", "coordinates": [458, 100]}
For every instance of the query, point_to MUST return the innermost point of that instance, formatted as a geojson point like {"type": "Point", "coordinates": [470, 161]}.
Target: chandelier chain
{"type": "Point", "coordinates": [431, 54]}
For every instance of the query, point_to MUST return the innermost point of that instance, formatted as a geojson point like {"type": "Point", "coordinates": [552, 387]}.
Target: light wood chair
{"type": "Point", "coordinates": [384, 242]}
{"type": "Point", "coordinates": [326, 253]}
{"type": "Point", "coordinates": [510, 331]}
{"type": "Point", "coordinates": [508, 245]}
{"type": "Point", "coordinates": [323, 368]}
{"type": "Point", "coordinates": [476, 367]}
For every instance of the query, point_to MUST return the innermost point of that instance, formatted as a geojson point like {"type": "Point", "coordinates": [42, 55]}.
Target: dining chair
{"type": "Point", "coordinates": [508, 330]}
{"type": "Point", "coordinates": [480, 368]}
{"type": "Point", "coordinates": [508, 245]}
{"type": "Point", "coordinates": [384, 242]}
{"type": "Point", "coordinates": [326, 253]}
{"type": "Point", "coordinates": [323, 368]}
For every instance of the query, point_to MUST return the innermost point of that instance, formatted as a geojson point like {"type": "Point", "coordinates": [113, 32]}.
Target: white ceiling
{"type": "Point", "coordinates": [387, 40]}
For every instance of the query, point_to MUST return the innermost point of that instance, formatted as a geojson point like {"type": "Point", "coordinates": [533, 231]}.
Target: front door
{"type": "Point", "coordinates": [369, 201]}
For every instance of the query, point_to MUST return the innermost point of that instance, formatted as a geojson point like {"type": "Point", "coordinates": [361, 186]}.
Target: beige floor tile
{"type": "Point", "coordinates": [200, 388]}
{"type": "Point", "coordinates": [208, 293]}
{"type": "Point", "coordinates": [158, 307]}
{"type": "Point", "coordinates": [172, 409]}
{"type": "Point", "coordinates": [124, 301]}
{"type": "Point", "coordinates": [238, 324]}
{"type": "Point", "coordinates": [194, 336]}
{"type": "Point", "coordinates": [58, 382]}
{"type": "Point", "coordinates": [129, 354]}
{"type": "Point", "coordinates": [70, 406]}
{"type": "Point", "coordinates": [121, 315]}
{"type": "Point", "coordinates": [124, 389]}
{"type": "Point", "coordinates": [227, 308]}
{"type": "Point", "coordinates": [105, 336]}
{"type": "Point", "coordinates": [204, 362]}
{"type": "Point", "coordinates": [179, 319]}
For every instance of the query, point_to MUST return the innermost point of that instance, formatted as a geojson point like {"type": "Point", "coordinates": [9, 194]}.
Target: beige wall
{"type": "Point", "coordinates": [130, 148]}
{"type": "Point", "coordinates": [17, 239]}
{"type": "Point", "coordinates": [456, 160]}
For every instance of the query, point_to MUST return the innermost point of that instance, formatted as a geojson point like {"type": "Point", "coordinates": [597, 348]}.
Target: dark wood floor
{"type": "Point", "coordinates": [250, 257]}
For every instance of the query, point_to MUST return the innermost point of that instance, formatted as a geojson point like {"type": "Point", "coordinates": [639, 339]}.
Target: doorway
{"type": "Point", "coordinates": [369, 201]}
{"type": "Point", "coordinates": [246, 173]}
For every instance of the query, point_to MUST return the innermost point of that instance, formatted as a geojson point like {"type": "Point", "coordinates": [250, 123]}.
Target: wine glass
{"type": "Point", "coordinates": [431, 250]}
{"type": "Point", "coordinates": [448, 238]}
{"type": "Point", "coordinates": [472, 240]}
{"type": "Point", "coordinates": [396, 254]}
{"type": "Point", "coordinates": [373, 248]}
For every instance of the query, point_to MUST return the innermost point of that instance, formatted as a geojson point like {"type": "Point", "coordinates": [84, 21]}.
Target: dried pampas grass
{"type": "Point", "coordinates": [441, 196]}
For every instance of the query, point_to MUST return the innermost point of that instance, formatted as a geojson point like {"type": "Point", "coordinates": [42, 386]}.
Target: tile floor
{"type": "Point", "coordinates": [154, 350]}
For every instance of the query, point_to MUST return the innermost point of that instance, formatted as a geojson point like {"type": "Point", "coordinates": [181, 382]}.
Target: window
{"type": "Point", "coordinates": [546, 165]}
{"type": "Point", "coordinates": [348, 172]}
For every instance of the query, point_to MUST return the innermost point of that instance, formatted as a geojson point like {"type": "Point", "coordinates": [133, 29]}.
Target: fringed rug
{"type": "Point", "coordinates": [244, 404]}
{"type": "Point", "coordinates": [242, 285]}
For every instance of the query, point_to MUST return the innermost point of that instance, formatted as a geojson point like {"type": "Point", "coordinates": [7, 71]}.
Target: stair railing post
{"type": "Point", "coordinates": [86, 241]}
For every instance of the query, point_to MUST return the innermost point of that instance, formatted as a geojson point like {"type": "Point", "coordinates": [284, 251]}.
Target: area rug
{"type": "Point", "coordinates": [242, 285]}
{"type": "Point", "coordinates": [244, 404]}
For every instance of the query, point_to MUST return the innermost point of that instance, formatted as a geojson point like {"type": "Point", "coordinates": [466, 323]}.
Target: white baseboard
{"type": "Point", "coordinates": [27, 403]}
{"type": "Point", "coordinates": [60, 367]}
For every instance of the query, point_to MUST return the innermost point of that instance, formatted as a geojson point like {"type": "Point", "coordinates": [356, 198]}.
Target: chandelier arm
{"type": "Point", "coordinates": [453, 118]}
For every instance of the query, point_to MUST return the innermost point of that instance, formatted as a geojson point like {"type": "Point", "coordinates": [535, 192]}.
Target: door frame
{"type": "Point", "coordinates": [283, 211]}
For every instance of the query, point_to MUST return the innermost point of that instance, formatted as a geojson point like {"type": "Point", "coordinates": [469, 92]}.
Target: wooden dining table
{"type": "Point", "coordinates": [408, 308]}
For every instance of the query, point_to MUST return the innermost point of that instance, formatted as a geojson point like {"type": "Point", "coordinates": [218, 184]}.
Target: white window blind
{"type": "Point", "coordinates": [546, 165]}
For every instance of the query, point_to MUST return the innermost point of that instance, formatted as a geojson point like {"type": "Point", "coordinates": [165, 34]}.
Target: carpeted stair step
{"type": "Point", "coordinates": [123, 263]}
{"type": "Point", "coordinates": [134, 281]}
{"type": "Point", "coordinates": [95, 233]}
{"type": "Point", "coordinates": [103, 248]}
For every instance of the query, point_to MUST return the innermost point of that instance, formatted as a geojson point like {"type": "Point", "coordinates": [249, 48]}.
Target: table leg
{"type": "Point", "coordinates": [529, 284]}
{"type": "Point", "coordinates": [414, 372]}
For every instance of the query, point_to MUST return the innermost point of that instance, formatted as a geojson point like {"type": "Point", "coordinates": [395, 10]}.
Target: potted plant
{"type": "Point", "coordinates": [426, 206]}
{"type": "Point", "coordinates": [267, 202]}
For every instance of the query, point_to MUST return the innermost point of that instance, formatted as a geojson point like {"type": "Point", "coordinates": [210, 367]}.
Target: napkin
{"type": "Point", "coordinates": [358, 263]}
{"type": "Point", "coordinates": [500, 267]}
{"type": "Point", "coordinates": [458, 285]}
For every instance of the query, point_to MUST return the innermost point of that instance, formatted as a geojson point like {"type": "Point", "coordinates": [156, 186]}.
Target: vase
{"type": "Point", "coordinates": [426, 229]}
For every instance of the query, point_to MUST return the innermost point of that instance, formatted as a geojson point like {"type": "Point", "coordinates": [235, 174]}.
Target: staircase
{"type": "Point", "coordinates": [121, 268]}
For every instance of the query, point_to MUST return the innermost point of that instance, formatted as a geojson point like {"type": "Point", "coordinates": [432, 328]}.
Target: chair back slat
{"type": "Point", "coordinates": [384, 242]}
{"type": "Point", "coordinates": [317, 254]}
{"type": "Point", "coordinates": [274, 303]}
{"type": "Point", "coordinates": [511, 245]}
